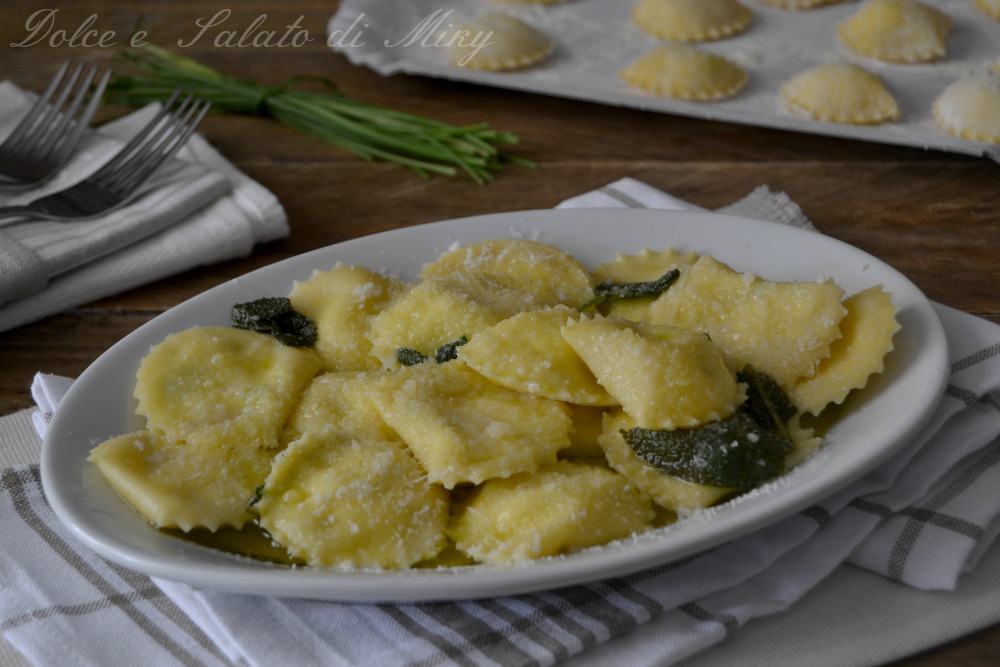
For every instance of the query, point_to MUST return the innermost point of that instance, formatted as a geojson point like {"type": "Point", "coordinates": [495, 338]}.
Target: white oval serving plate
{"type": "Point", "coordinates": [885, 415]}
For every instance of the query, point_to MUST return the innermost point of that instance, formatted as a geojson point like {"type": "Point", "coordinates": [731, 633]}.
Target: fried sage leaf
{"type": "Point", "coordinates": [410, 357]}
{"type": "Point", "coordinates": [740, 452]}
{"type": "Point", "coordinates": [275, 315]}
{"type": "Point", "coordinates": [611, 290]}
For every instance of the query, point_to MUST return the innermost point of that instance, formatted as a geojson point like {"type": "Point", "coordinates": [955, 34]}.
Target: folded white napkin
{"type": "Point", "coordinates": [197, 210]}
{"type": "Point", "coordinates": [922, 519]}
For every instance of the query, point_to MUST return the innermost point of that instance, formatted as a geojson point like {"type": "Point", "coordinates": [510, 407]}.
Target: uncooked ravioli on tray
{"type": "Point", "coordinates": [922, 73]}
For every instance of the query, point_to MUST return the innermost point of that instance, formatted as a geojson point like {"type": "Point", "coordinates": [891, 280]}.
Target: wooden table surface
{"type": "Point", "coordinates": [933, 216]}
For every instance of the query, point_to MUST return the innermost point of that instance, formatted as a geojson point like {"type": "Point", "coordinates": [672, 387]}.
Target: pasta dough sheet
{"type": "Point", "coordinates": [595, 39]}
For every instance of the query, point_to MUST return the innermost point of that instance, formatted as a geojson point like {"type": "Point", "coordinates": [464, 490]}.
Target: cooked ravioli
{"type": "Point", "coordinates": [642, 266]}
{"type": "Point", "coordinates": [222, 384]}
{"type": "Point", "coordinates": [563, 507]}
{"type": "Point", "coordinates": [666, 490]}
{"type": "Point", "coordinates": [970, 108]}
{"type": "Point", "coordinates": [991, 7]}
{"type": "Point", "coordinates": [527, 353]}
{"type": "Point", "coordinates": [866, 337]}
{"type": "Point", "coordinates": [426, 317]}
{"type": "Point", "coordinates": [685, 72]}
{"type": "Point", "coordinates": [513, 275]}
{"type": "Point", "coordinates": [783, 329]}
{"type": "Point", "coordinates": [662, 376]}
{"type": "Point", "coordinates": [840, 93]}
{"type": "Point", "coordinates": [496, 42]}
{"type": "Point", "coordinates": [184, 484]}
{"type": "Point", "coordinates": [520, 433]}
{"type": "Point", "coordinates": [342, 401]}
{"type": "Point", "coordinates": [691, 20]}
{"type": "Point", "coordinates": [902, 31]}
{"type": "Point", "coordinates": [337, 501]}
{"type": "Point", "coordinates": [465, 429]}
{"type": "Point", "coordinates": [341, 301]}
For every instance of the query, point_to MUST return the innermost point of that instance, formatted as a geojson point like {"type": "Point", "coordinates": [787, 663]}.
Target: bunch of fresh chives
{"type": "Point", "coordinates": [425, 145]}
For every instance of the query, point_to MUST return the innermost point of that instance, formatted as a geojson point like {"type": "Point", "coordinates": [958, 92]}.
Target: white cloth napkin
{"type": "Point", "coordinates": [197, 210]}
{"type": "Point", "coordinates": [923, 518]}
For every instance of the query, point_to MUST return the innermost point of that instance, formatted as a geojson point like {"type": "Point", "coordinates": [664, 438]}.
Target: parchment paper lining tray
{"type": "Point", "coordinates": [596, 38]}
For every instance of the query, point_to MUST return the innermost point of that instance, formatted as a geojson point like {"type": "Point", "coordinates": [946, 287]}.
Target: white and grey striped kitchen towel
{"type": "Point", "coordinates": [916, 523]}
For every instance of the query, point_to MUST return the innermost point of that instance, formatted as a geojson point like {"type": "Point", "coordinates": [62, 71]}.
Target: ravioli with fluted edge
{"type": "Point", "coordinates": [509, 404]}
{"type": "Point", "coordinates": [342, 400]}
{"type": "Point", "coordinates": [222, 384]}
{"type": "Point", "coordinates": [686, 73]}
{"type": "Point", "coordinates": [185, 484]}
{"type": "Point", "coordinates": [784, 329]}
{"type": "Point", "coordinates": [840, 93]}
{"type": "Point", "coordinates": [514, 275]}
{"type": "Point", "coordinates": [691, 20]}
{"type": "Point", "coordinates": [866, 337]}
{"type": "Point", "coordinates": [561, 508]}
{"type": "Point", "coordinates": [969, 108]}
{"type": "Point", "coordinates": [465, 429]}
{"type": "Point", "coordinates": [337, 501]}
{"type": "Point", "coordinates": [427, 316]}
{"type": "Point", "coordinates": [527, 352]}
{"type": "Point", "coordinates": [341, 301]}
{"type": "Point", "coordinates": [496, 42]}
{"type": "Point", "coordinates": [904, 31]}
{"type": "Point", "coordinates": [662, 376]}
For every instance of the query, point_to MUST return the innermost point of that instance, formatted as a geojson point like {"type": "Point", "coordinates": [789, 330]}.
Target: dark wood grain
{"type": "Point", "coordinates": [933, 216]}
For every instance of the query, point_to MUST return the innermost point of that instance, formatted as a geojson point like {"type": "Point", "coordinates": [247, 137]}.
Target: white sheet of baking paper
{"type": "Point", "coordinates": [595, 39]}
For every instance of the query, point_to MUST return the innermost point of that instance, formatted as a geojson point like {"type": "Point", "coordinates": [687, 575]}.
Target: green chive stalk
{"type": "Point", "coordinates": [372, 132]}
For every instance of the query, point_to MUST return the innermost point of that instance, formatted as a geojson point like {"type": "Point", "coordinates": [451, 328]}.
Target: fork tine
{"type": "Point", "coordinates": [170, 144]}
{"type": "Point", "coordinates": [32, 117]}
{"type": "Point", "coordinates": [152, 135]}
{"type": "Point", "coordinates": [65, 119]}
{"type": "Point", "coordinates": [180, 131]}
{"type": "Point", "coordinates": [83, 122]}
{"type": "Point", "coordinates": [112, 165]}
{"type": "Point", "coordinates": [51, 111]}
{"type": "Point", "coordinates": [107, 190]}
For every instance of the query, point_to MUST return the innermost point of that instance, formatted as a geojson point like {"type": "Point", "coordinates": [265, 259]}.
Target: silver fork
{"type": "Point", "coordinates": [120, 180]}
{"type": "Point", "coordinates": [48, 134]}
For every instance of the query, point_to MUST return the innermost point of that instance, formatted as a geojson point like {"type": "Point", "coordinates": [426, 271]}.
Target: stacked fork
{"type": "Point", "coordinates": [145, 184]}
{"type": "Point", "coordinates": [45, 139]}
{"type": "Point", "coordinates": [49, 133]}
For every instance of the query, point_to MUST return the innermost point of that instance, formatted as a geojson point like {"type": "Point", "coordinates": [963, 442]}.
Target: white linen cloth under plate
{"type": "Point", "coordinates": [899, 561]}
{"type": "Point", "coordinates": [198, 209]}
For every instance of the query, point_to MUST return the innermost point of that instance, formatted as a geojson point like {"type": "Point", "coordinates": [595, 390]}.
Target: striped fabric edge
{"type": "Point", "coordinates": [541, 628]}
{"type": "Point", "coordinates": [975, 367]}
{"type": "Point", "coordinates": [134, 599]}
{"type": "Point", "coordinates": [935, 512]}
